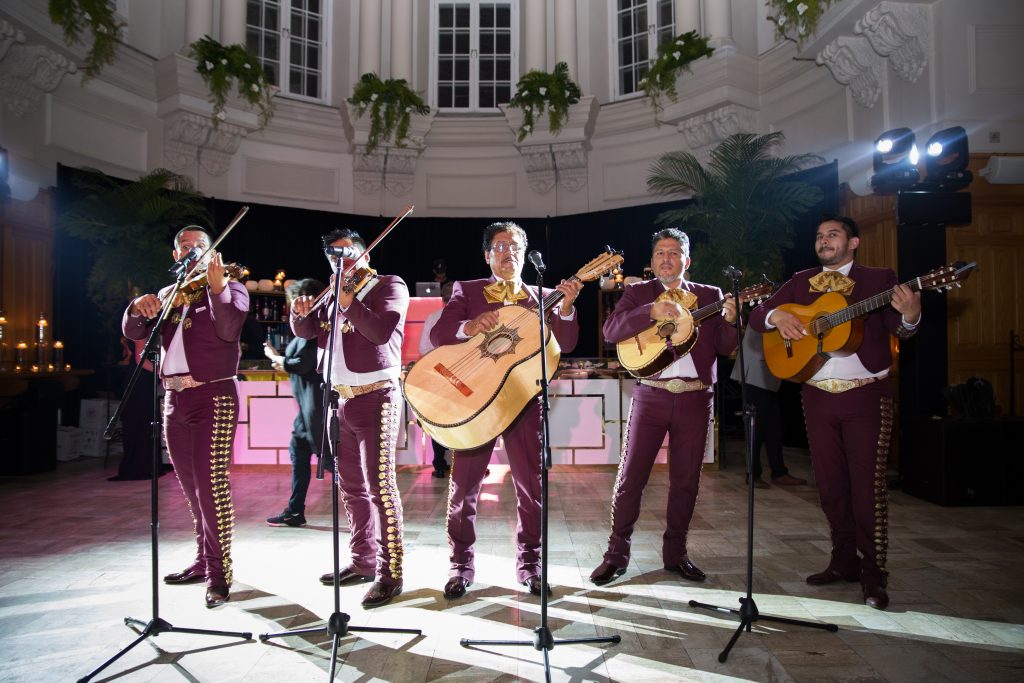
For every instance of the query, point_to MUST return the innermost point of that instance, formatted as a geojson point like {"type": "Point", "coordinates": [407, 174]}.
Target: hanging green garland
{"type": "Point", "coordinates": [76, 16]}
{"type": "Point", "coordinates": [674, 55]}
{"type": "Point", "coordinates": [796, 16]}
{"type": "Point", "coordinates": [539, 91]}
{"type": "Point", "coordinates": [221, 66]}
{"type": "Point", "coordinates": [390, 103]}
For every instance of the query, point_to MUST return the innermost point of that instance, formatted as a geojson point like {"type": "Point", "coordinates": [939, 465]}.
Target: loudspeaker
{"type": "Point", "coordinates": [1004, 170]}
{"type": "Point", "coordinates": [933, 208]}
{"type": "Point", "coordinates": [957, 461]}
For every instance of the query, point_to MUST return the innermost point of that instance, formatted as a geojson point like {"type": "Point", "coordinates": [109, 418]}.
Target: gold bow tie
{"type": "Point", "coordinates": [502, 291]}
{"type": "Point", "coordinates": [832, 281]}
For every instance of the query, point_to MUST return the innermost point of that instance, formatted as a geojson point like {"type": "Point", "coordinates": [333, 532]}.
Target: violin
{"type": "Point", "coordinates": [198, 281]}
{"type": "Point", "coordinates": [357, 279]}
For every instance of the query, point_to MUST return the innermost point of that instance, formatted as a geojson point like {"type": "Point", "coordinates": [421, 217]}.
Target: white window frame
{"type": "Point", "coordinates": [652, 45]}
{"type": "Point", "coordinates": [474, 63]}
{"type": "Point", "coordinates": [284, 53]}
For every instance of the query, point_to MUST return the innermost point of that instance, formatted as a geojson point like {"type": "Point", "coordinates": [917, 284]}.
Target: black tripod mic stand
{"type": "Point", "coordinates": [155, 626]}
{"type": "Point", "coordinates": [337, 625]}
{"type": "Point", "coordinates": [542, 638]}
{"type": "Point", "coordinates": [747, 611]}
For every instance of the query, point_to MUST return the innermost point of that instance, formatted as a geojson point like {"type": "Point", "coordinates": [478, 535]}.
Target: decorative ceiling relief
{"type": "Point", "coordinates": [28, 72]}
{"type": "Point", "coordinates": [387, 165]}
{"type": "Point", "coordinates": [895, 32]}
{"type": "Point", "coordinates": [557, 159]}
{"type": "Point", "coordinates": [706, 130]}
{"type": "Point", "coordinates": [191, 138]}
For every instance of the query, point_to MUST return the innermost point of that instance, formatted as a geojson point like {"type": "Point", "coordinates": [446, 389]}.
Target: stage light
{"type": "Point", "coordinates": [895, 160]}
{"type": "Point", "coordinates": [946, 160]}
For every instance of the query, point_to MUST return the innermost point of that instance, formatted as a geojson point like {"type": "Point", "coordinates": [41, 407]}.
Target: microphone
{"type": "Point", "coordinates": [537, 260]}
{"type": "Point", "coordinates": [351, 253]}
{"type": "Point", "coordinates": [185, 262]}
{"type": "Point", "coordinates": [733, 272]}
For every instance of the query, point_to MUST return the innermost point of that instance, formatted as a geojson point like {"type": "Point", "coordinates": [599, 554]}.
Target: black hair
{"type": "Point", "coordinates": [307, 287]}
{"type": "Point", "coordinates": [503, 226]}
{"type": "Point", "coordinates": [192, 228]}
{"type": "Point", "coordinates": [849, 225]}
{"type": "Point", "coordinates": [672, 234]}
{"type": "Point", "coordinates": [344, 234]}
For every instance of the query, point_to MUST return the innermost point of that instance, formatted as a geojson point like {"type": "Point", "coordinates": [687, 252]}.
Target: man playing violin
{"type": "Point", "coordinates": [473, 308]}
{"type": "Point", "coordinates": [848, 404]}
{"type": "Point", "coordinates": [367, 359]}
{"type": "Point", "coordinates": [677, 401]}
{"type": "Point", "coordinates": [200, 359]}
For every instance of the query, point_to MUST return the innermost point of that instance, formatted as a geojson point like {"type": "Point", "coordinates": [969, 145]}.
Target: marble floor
{"type": "Point", "coordinates": [75, 560]}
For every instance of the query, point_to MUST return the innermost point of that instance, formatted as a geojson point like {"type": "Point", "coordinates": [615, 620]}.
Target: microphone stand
{"type": "Point", "coordinates": [748, 608]}
{"type": "Point", "coordinates": [155, 626]}
{"type": "Point", "coordinates": [542, 638]}
{"type": "Point", "coordinates": [337, 624]}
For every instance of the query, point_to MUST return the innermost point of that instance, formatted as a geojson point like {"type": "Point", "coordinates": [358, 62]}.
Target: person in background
{"type": "Point", "coordinates": [299, 360]}
{"type": "Point", "coordinates": [441, 467]}
{"type": "Point", "coordinates": [136, 419]}
{"type": "Point", "coordinates": [848, 404]}
{"type": "Point", "coordinates": [677, 401]}
{"type": "Point", "coordinates": [200, 339]}
{"type": "Point", "coordinates": [762, 393]}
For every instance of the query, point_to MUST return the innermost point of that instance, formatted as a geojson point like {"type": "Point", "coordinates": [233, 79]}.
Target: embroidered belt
{"type": "Point", "coordinates": [676, 385]}
{"type": "Point", "coordinates": [345, 391]}
{"type": "Point", "coordinates": [180, 382]}
{"type": "Point", "coordinates": [838, 386]}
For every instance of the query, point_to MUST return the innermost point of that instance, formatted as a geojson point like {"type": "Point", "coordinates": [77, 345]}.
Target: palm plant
{"type": "Point", "coordinates": [130, 227]}
{"type": "Point", "coordinates": [745, 206]}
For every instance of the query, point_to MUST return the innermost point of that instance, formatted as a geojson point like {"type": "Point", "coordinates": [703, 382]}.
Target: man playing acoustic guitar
{"type": "Point", "coordinates": [678, 402]}
{"type": "Point", "coordinates": [848, 403]}
{"type": "Point", "coordinates": [473, 308]}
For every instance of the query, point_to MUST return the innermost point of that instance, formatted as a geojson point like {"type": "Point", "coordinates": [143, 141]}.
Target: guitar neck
{"type": "Point", "coordinates": [554, 297]}
{"type": "Point", "coordinates": [708, 311]}
{"type": "Point", "coordinates": [872, 303]}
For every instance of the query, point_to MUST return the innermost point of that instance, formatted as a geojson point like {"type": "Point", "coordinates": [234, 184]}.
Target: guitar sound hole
{"type": "Point", "coordinates": [499, 345]}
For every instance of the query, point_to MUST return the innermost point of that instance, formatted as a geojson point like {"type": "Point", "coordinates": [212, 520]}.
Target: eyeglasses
{"type": "Point", "coordinates": [502, 247]}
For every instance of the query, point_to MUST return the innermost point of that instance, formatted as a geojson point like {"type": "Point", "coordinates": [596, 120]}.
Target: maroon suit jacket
{"type": "Point", "coordinates": [715, 336]}
{"type": "Point", "coordinates": [379, 322]}
{"type": "Point", "coordinates": [468, 302]}
{"type": "Point", "coordinates": [875, 351]}
{"type": "Point", "coordinates": [210, 339]}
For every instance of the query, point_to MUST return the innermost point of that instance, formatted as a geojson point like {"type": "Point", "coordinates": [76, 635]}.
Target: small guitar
{"type": "Point", "coordinates": [651, 351]}
{"type": "Point", "coordinates": [836, 329]}
{"type": "Point", "coordinates": [466, 394]}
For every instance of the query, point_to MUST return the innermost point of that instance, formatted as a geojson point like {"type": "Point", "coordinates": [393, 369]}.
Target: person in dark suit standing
{"type": "Point", "coordinates": [299, 360]}
{"type": "Point", "coordinates": [367, 360]}
{"type": "Point", "coordinates": [848, 404]}
{"type": "Point", "coordinates": [677, 401]}
{"type": "Point", "coordinates": [473, 308]}
{"type": "Point", "coordinates": [762, 393]}
{"type": "Point", "coordinates": [200, 340]}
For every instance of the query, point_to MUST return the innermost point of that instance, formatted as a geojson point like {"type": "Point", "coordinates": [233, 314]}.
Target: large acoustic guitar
{"type": "Point", "coordinates": [837, 329]}
{"type": "Point", "coordinates": [468, 393]}
{"type": "Point", "coordinates": [654, 349]}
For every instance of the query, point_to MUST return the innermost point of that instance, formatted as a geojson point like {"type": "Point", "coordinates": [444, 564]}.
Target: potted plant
{"type": "Point", "coordinates": [222, 66]}
{"type": "Point", "coordinates": [744, 206]}
{"type": "Point", "coordinates": [391, 103]}
{"type": "Point", "coordinates": [796, 16]}
{"type": "Point", "coordinates": [76, 16]}
{"type": "Point", "coordinates": [539, 91]}
{"type": "Point", "coordinates": [130, 227]}
{"type": "Point", "coordinates": [674, 55]}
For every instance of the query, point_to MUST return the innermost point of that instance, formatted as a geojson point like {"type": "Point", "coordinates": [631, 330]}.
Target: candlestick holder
{"type": "Point", "coordinates": [58, 354]}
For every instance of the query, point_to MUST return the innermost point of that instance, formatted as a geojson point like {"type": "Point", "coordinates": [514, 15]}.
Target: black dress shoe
{"type": "Point", "coordinates": [439, 474]}
{"type": "Point", "coordinates": [190, 575]}
{"type": "Point", "coordinates": [381, 594]}
{"type": "Point", "coordinates": [216, 595]}
{"type": "Point", "coordinates": [346, 576]}
{"type": "Point", "coordinates": [688, 570]}
{"type": "Point", "coordinates": [875, 595]}
{"type": "Point", "coordinates": [533, 584]}
{"type": "Point", "coordinates": [606, 573]}
{"type": "Point", "coordinates": [831, 575]}
{"type": "Point", "coordinates": [456, 587]}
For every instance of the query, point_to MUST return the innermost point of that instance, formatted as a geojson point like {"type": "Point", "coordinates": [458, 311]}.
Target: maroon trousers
{"type": "Point", "coordinates": [654, 412]}
{"type": "Point", "coordinates": [367, 435]}
{"type": "Point", "coordinates": [199, 426]}
{"type": "Point", "coordinates": [849, 436]}
{"type": "Point", "coordinates": [522, 444]}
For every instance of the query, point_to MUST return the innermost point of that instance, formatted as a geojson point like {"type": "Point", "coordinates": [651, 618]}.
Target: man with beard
{"type": "Point", "coordinates": [848, 404]}
{"type": "Point", "coordinates": [677, 401]}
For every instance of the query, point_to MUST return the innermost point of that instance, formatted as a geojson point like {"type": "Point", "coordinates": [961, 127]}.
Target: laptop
{"type": "Point", "coordinates": [428, 289]}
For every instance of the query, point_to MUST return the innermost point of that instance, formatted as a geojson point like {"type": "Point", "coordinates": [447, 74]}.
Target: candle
{"type": "Point", "coordinates": [41, 345]}
{"type": "Point", "coordinates": [19, 353]}
{"type": "Point", "coordinates": [35, 368]}
{"type": "Point", "coordinates": [67, 367]}
{"type": "Point", "coordinates": [58, 353]}
{"type": "Point", "coordinates": [50, 368]}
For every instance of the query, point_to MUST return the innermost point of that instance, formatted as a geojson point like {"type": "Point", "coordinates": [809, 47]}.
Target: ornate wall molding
{"type": "Point", "coordinates": [191, 138]}
{"type": "Point", "coordinates": [400, 170]}
{"type": "Point", "coordinates": [540, 167]}
{"type": "Point", "coordinates": [853, 63]}
{"type": "Point", "coordinates": [900, 32]}
{"type": "Point", "coordinates": [708, 129]}
{"type": "Point", "coordinates": [368, 169]}
{"type": "Point", "coordinates": [570, 165]}
{"type": "Point", "coordinates": [28, 72]}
